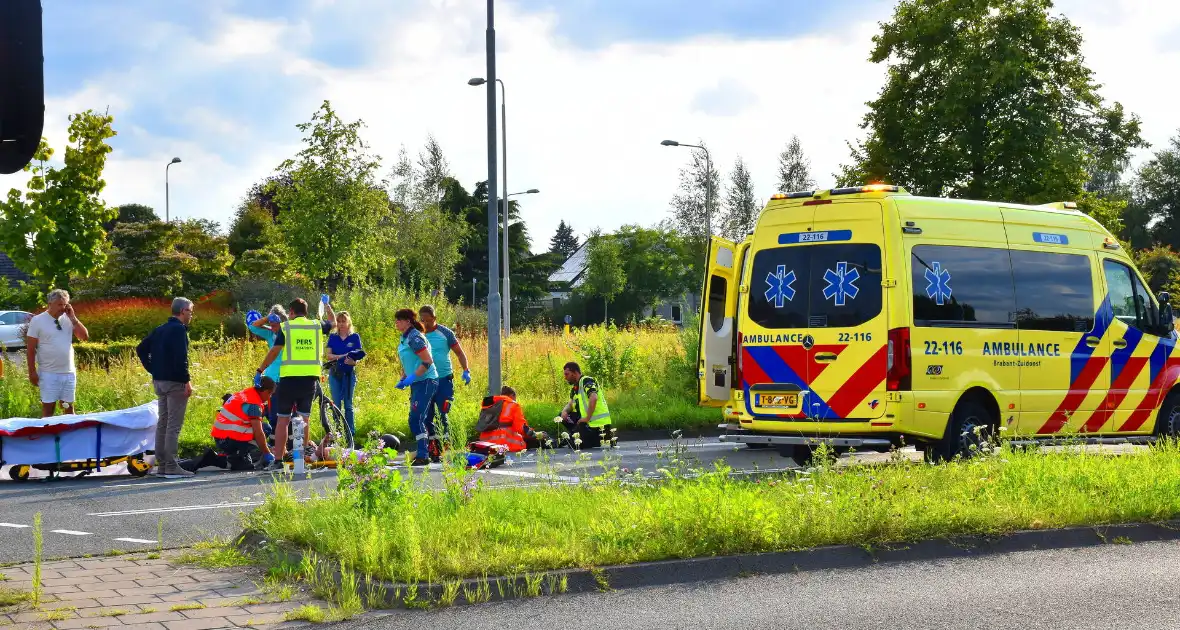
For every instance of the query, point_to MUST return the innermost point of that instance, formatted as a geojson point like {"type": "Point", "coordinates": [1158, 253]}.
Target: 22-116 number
{"type": "Point", "coordinates": [846, 337]}
{"type": "Point", "coordinates": [946, 347]}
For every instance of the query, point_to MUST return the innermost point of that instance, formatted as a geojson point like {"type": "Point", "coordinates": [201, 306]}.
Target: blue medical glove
{"type": "Point", "coordinates": [274, 318]}
{"type": "Point", "coordinates": [257, 379]}
{"type": "Point", "coordinates": [324, 298]}
{"type": "Point", "coordinates": [268, 459]}
{"type": "Point", "coordinates": [406, 381]}
{"type": "Point", "coordinates": [466, 377]}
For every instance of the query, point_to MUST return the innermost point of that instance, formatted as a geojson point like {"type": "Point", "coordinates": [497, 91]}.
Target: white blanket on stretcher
{"type": "Point", "coordinates": [79, 437]}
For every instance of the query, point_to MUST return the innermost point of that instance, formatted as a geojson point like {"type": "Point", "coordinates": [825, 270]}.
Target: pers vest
{"type": "Point", "coordinates": [303, 348]}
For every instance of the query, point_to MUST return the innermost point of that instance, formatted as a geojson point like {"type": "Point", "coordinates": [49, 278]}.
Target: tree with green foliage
{"type": "Point", "coordinates": [605, 276]}
{"type": "Point", "coordinates": [1161, 267]}
{"type": "Point", "coordinates": [794, 169]}
{"type": "Point", "coordinates": [564, 242]}
{"type": "Point", "coordinates": [206, 256]}
{"type": "Point", "coordinates": [56, 231]}
{"type": "Point", "coordinates": [331, 223]}
{"type": "Point", "coordinates": [658, 265]}
{"type": "Point", "coordinates": [153, 258]}
{"type": "Point", "coordinates": [699, 188]}
{"type": "Point", "coordinates": [252, 228]}
{"type": "Point", "coordinates": [741, 205]}
{"type": "Point", "coordinates": [1108, 211]}
{"type": "Point", "coordinates": [988, 99]}
{"type": "Point", "coordinates": [131, 213]}
{"type": "Point", "coordinates": [1157, 193]}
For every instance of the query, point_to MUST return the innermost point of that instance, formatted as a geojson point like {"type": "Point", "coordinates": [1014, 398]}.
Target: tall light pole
{"type": "Point", "coordinates": [167, 194]}
{"type": "Point", "coordinates": [493, 242]}
{"type": "Point", "coordinates": [708, 184]}
{"type": "Point", "coordinates": [504, 166]}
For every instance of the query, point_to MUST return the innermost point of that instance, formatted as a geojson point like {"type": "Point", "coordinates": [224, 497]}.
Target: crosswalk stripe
{"type": "Point", "coordinates": [139, 540]}
{"type": "Point", "coordinates": [13, 525]}
{"type": "Point", "coordinates": [70, 532]}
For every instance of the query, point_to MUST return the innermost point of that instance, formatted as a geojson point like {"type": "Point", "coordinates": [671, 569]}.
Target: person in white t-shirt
{"type": "Point", "coordinates": [50, 349]}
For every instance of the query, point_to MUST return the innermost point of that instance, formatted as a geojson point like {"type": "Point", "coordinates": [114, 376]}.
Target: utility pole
{"type": "Point", "coordinates": [493, 214]}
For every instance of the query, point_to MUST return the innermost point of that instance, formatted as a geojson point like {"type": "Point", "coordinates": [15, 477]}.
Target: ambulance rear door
{"type": "Point", "coordinates": [715, 364]}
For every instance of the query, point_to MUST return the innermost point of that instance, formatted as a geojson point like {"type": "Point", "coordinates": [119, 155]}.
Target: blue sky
{"type": "Point", "coordinates": [593, 87]}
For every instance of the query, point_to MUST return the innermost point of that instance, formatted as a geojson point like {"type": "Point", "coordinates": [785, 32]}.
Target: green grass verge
{"type": "Point", "coordinates": [415, 536]}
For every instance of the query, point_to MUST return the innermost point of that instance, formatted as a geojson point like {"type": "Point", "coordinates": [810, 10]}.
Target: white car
{"type": "Point", "coordinates": [12, 329]}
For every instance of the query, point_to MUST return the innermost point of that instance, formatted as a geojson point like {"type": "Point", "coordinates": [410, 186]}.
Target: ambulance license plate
{"type": "Point", "coordinates": [776, 401]}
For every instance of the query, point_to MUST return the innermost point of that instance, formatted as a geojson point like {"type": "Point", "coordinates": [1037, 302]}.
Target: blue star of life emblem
{"type": "Point", "coordinates": [841, 283]}
{"type": "Point", "coordinates": [939, 287]}
{"type": "Point", "coordinates": [780, 291]}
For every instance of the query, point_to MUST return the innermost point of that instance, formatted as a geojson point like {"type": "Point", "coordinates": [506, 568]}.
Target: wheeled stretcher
{"type": "Point", "coordinates": [81, 443]}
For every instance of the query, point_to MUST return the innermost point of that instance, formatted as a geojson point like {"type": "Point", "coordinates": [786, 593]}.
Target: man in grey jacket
{"type": "Point", "coordinates": [164, 354]}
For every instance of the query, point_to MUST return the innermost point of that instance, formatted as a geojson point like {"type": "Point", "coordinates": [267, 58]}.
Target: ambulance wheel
{"type": "Point", "coordinates": [967, 432]}
{"type": "Point", "coordinates": [19, 473]}
{"type": "Point", "coordinates": [1167, 422]}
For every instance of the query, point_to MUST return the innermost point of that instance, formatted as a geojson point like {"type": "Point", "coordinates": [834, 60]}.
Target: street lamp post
{"type": "Point", "coordinates": [504, 174]}
{"type": "Point", "coordinates": [167, 195]}
{"type": "Point", "coordinates": [494, 349]}
{"type": "Point", "coordinates": [708, 183]}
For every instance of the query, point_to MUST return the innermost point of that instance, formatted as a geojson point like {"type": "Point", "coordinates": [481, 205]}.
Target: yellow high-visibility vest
{"type": "Point", "coordinates": [303, 348]}
{"type": "Point", "coordinates": [601, 416]}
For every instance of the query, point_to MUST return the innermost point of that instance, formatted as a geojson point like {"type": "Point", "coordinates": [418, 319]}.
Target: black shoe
{"type": "Point", "coordinates": [420, 461]}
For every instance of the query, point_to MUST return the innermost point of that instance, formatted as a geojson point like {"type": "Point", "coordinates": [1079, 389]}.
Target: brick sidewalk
{"type": "Point", "coordinates": [147, 594]}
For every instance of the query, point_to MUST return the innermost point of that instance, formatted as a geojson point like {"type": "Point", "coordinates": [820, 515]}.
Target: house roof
{"type": "Point", "coordinates": [9, 272]}
{"type": "Point", "coordinates": [572, 269]}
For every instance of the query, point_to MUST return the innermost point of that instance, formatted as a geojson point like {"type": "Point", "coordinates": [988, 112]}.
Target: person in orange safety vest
{"type": "Point", "coordinates": [237, 431]}
{"type": "Point", "coordinates": [501, 421]}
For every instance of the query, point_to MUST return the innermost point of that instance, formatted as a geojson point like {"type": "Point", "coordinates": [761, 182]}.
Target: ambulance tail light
{"type": "Point", "coordinates": [898, 372]}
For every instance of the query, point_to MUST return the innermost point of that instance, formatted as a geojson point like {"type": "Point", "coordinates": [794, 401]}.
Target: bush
{"type": "Point", "coordinates": [134, 318]}
{"type": "Point", "coordinates": [23, 297]}
{"type": "Point", "coordinates": [102, 354]}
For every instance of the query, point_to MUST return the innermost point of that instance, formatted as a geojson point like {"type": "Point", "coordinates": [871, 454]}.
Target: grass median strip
{"type": "Point", "coordinates": [413, 536]}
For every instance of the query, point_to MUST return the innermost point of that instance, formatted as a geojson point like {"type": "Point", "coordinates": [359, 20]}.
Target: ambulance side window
{"type": "Point", "coordinates": [1128, 298]}
{"type": "Point", "coordinates": [1053, 291]}
{"type": "Point", "coordinates": [962, 287]}
{"type": "Point", "coordinates": [718, 289]}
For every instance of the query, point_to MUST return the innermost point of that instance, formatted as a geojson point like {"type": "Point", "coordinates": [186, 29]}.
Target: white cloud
{"type": "Point", "coordinates": [584, 125]}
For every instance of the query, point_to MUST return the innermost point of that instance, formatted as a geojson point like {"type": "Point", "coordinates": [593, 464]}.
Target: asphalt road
{"type": "Point", "coordinates": [97, 514]}
{"type": "Point", "coordinates": [1114, 586]}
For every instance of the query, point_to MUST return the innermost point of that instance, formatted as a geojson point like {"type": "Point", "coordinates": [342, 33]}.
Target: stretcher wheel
{"type": "Point", "coordinates": [19, 473]}
{"type": "Point", "coordinates": [137, 467]}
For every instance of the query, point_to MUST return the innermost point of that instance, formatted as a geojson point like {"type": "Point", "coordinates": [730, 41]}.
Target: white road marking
{"type": "Point", "coordinates": [140, 484]}
{"type": "Point", "coordinates": [70, 532]}
{"type": "Point", "coordinates": [139, 540]}
{"type": "Point", "coordinates": [529, 475]}
{"type": "Point", "coordinates": [14, 525]}
{"type": "Point", "coordinates": [182, 508]}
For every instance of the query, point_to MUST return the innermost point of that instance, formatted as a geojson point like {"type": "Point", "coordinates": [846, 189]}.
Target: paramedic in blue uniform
{"type": "Point", "coordinates": [344, 346]}
{"type": "Point", "coordinates": [442, 342]}
{"type": "Point", "coordinates": [267, 328]}
{"type": "Point", "coordinates": [419, 374]}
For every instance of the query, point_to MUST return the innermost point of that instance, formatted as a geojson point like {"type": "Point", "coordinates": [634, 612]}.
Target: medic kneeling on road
{"type": "Point", "coordinates": [501, 421]}
{"type": "Point", "coordinates": [237, 432]}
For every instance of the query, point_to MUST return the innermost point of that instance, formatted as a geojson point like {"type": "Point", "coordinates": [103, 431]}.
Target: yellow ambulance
{"type": "Point", "coordinates": [866, 318]}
